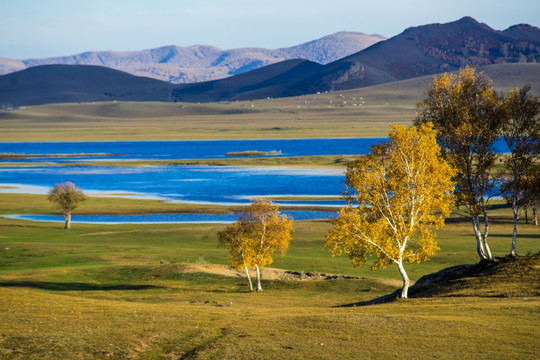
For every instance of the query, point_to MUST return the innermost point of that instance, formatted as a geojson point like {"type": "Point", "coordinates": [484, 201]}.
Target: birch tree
{"type": "Point", "coordinates": [521, 132]}
{"type": "Point", "coordinates": [239, 247]}
{"type": "Point", "coordinates": [467, 114]}
{"type": "Point", "coordinates": [66, 197]}
{"type": "Point", "coordinates": [397, 196]}
{"type": "Point", "coordinates": [258, 233]}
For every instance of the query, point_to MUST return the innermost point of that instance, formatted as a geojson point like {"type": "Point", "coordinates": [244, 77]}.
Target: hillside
{"type": "Point", "coordinates": [82, 83]}
{"type": "Point", "coordinates": [418, 51]}
{"type": "Point", "coordinates": [517, 276]}
{"type": "Point", "coordinates": [34, 87]}
{"type": "Point", "coordinates": [509, 276]}
{"type": "Point", "coordinates": [283, 79]}
{"type": "Point", "coordinates": [198, 63]}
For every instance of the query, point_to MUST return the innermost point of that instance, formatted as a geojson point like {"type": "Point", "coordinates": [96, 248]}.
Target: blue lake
{"type": "Point", "coordinates": [165, 218]}
{"type": "Point", "coordinates": [163, 150]}
{"type": "Point", "coordinates": [198, 184]}
{"type": "Point", "coordinates": [180, 183]}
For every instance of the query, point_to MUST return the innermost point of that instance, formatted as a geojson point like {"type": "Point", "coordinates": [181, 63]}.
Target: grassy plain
{"type": "Point", "coordinates": [346, 114]}
{"type": "Point", "coordinates": [163, 292]}
{"type": "Point", "coordinates": [130, 292]}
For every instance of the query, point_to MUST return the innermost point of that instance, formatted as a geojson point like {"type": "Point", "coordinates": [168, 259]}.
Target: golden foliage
{"type": "Point", "coordinates": [467, 114]}
{"type": "Point", "coordinates": [397, 195]}
{"type": "Point", "coordinates": [257, 234]}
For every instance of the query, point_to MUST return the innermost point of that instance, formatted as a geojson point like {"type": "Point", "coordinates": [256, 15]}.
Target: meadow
{"type": "Point", "coordinates": [164, 291]}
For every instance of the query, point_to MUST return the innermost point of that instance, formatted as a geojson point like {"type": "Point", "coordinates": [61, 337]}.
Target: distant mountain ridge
{"type": "Point", "coordinates": [418, 51]}
{"type": "Point", "coordinates": [198, 63]}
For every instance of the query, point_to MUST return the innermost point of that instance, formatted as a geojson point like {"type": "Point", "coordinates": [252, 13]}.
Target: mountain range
{"type": "Point", "coordinates": [198, 63]}
{"type": "Point", "coordinates": [417, 51]}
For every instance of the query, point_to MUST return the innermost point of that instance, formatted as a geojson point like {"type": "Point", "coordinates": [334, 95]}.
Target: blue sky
{"type": "Point", "coordinates": [42, 28]}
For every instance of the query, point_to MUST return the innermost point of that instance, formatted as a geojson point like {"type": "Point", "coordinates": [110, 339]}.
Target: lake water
{"type": "Point", "coordinates": [198, 184]}
{"type": "Point", "coordinates": [207, 149]}
{"type": "Point", "coordinates": [165, 218]}
{"type": "Point", "coordinates": [223, 185]}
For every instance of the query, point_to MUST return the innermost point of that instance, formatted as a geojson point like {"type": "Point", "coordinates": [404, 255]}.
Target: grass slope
{"type": "Point", "coordinates": [125, 292]}
{"type": "Point", "coordinates": [517, 276]}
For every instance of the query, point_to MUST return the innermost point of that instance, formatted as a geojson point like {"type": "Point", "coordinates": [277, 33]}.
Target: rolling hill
{"type": "Point", "coordinates": [198, 63]}
{"type": "Point", "coordinates": [81, 83]}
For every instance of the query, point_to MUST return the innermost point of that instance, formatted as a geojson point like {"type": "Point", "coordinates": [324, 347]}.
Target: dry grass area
{"type": "Point", "coordinates": [173, 322]}
{"type": "Point", "coordinates": [354, 113]}
{"type": "Point", "coordinates": [505, 277]}
{"type": "Point", "coordinates": [364, 112]}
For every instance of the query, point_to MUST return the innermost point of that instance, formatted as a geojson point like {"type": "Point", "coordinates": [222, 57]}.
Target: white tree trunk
{"type": "Point", "coordinates": [482, 246]}
{"type": "Point", "coordinates": [478, 236]}
{"type": "Point", "coordinates": [259, 287]}
{"type": "Point", "coordinates": [405, 278]}
{"type": "Point", "coordinates": [485, 236]}
{"type": "Point", "coordinates": [68, 221]}
{"type": "Point", "coordinates": [535, 215]}
{"type": "Point", "coordinates": [248, 279]}
{"type": "Point", "coordinates": [516, 222]}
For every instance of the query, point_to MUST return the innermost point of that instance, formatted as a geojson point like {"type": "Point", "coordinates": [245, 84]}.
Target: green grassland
{"type": "Point", "coordinates": [126, 292]}
{"type": "Point", "coordinates": [163, 291]}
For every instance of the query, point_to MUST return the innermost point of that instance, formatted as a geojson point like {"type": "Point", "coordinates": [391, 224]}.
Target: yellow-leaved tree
{"type": "Point", "coordinates": [255, 236]}
{"type": "Point", "coordinates": [397, 196]}
{"type": "Point", "coordinates": [467, 114]}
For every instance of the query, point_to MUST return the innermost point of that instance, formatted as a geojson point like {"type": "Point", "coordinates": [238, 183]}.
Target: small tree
{"type": "Point", "coordinates": [400, 192]}
{"type": "Point", "coordinates": [467, 114]}
{"type": "Point", "coordinates": [521, 132]}
{"type": "Point", "coordinates": [66, 198]}
{"type": "Point", "coordinates": [252, 239]}
{"type": "Point", "coordinates": [233, 237]}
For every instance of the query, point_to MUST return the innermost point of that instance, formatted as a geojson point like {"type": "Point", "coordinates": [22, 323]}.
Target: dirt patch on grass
{"type": "Point", "coordinates": [267, 273]}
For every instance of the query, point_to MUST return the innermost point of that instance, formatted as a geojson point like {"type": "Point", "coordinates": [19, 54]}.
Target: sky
{"type": "Point", "coordinates": [45, 28]}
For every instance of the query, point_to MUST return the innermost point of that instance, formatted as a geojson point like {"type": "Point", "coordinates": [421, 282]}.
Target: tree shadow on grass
{"type": "Point", "coordinates": [473, 280]}
{"type": "Point", "coordinates": [72, 286]}
{"type": "Point", "coordinates": [388, 298]}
